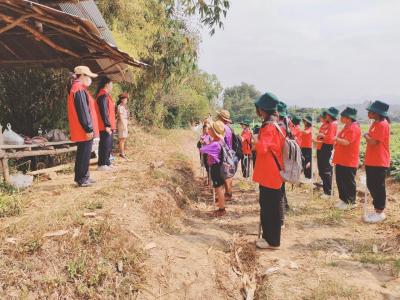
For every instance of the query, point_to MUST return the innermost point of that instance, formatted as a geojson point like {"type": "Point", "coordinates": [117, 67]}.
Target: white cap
{"type": "Point", "coordinates": [83, 70]}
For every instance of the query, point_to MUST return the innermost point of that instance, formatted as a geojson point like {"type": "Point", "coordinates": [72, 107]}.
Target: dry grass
{"type": "Point", "coordinates": [330, 289]}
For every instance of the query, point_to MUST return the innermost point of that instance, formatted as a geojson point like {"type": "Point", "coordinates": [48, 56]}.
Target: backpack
{"type": "Point", "coordinates": [292, 163]}
{"type": "Point", "coordinates": [237, 145]}
{"type": "Point", "coordinates": [229, 161]}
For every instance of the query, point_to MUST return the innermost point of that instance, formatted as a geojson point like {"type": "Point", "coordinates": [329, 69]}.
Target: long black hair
{"type": "Point", "coordinates": [103, 80]}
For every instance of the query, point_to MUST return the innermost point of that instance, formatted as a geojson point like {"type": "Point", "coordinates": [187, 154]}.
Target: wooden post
{"type": "Point", "coordinates": [6, 171]}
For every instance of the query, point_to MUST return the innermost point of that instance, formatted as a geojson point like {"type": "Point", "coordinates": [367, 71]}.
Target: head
{"type": "Point", "coordinates": [306, 124]}
{"type": "Point", "coordinates": [84, 74]}
{"type": "Point", "coordinates": [217, 130]}
{"type": "Point", "coordinates": [374, 116]}
{"type": "Point", "coordinates": [267, 106]}
{"type": "Point", "coordinates": [123, 99]}
{"type": "Point", "coordinates": [105, 83]}
{"type": "Point", "coordinates": [378, 110]}
{"type": "Point", "coordinates": [322, 117]}
{"type": "Point", "coordinates": [348, 115]}
{"type": "Point", "coordinates": [205, 129]}
{"type": "Point", "coordinates": [224, 116]}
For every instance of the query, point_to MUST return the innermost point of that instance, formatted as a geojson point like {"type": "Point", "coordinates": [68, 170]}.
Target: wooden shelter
{"type": "Point", "coordinates": [60, 34]}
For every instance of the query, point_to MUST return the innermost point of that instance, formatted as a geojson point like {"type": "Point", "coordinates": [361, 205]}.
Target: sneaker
{"type": "Point", "coordinates": [375, 217]}
{"type": "Point", "coordinates": [92, 181]}
{"type": "Point", "coordinates": [85, 184]}
{"type": "Point", "coordinates": [345, 206]}
{"type": "Point", "coordinates": [104, 168]}
{"type": "Point", "coordinates": [263, 244]}
{"type": "Point", "coordinates": [325, 197]}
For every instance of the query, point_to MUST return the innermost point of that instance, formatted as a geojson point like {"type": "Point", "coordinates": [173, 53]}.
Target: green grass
{"type": "Point", "coordinates": [9, 206]}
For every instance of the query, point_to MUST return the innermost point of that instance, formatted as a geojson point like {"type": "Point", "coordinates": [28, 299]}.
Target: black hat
{"type": "Point", "coordinates": [267, 102]}
{"type": "Point", "coordinates": [282, 109]}
{"type": "Point", "coordinates": [245, 122]}
{"type": "Point", "coordinates": [379, 107]}
{"type": "Point", "coordinates": [333, 112]}
{"type": "Point", "coordinates": [349, 112]}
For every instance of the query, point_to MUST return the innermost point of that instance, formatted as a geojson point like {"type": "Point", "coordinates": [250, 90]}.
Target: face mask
{"type": "Point", "coordinates": [87, 81]}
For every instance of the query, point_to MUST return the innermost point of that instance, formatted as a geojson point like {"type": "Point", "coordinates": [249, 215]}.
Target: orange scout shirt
{"type": "Point", "coordinates": [379, 155]}
{"type": "Point", "coordinates": [348, 156]}
{"type": "Point", "coordinates": [266, 171]}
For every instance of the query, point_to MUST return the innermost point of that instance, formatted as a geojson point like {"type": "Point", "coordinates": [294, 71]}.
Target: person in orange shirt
{"type": "Point", "coordinates": [346, 158]}
{"type": "Point", "coordinates": [105, 108]}
{"type": "Point", "coordinates": [269, 161]}
{"type": "Point", "coordinates": [327, 138]}
{"type": "Point", "coordinates": [296, 130]}
{"type": "Point", "coordinates": [306, 146]}
{"type": "Point", "coordinates": [246, 147]}
{"type": "Point", "coordinates": [377, 158]}
{"type": "Point", "coordinates": [83, 124]}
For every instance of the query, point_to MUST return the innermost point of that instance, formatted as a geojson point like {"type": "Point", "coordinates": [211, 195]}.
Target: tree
{"type": "Point", "coordinates": [239, 100]}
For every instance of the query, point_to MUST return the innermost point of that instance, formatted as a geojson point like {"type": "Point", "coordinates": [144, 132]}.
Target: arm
{"type": "Point", "coordinates": [83, 112]}
{"type": "Point", "coordinates": [103, 108]}
{"type": "Point", "coordinates": [371, 141]}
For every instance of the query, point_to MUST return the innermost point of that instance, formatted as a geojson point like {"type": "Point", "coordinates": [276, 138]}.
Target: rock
{"type": "Point", "coordinates": [150, 246]}
{"type": "Point", "coordinates": [90, 215]}
{"type": "Point", "coordinates": [11, 241]}
{"type": "Point", "coordinates": [55, 233]}
{"type": "Point", "coordinates": [375, 248]}
{"type": "Point", "coordinates": [76, 233]}
{"type": "Point", "coordinates": [271, 271]}
{"type": "Point", "coordinates": [120, 266]}
{"type": "Point", "coordinates": [293, 266]}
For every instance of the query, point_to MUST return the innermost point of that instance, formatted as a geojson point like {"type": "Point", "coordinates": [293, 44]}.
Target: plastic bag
{"type": "Point", "coordinates": [11, 138]}
{"type": "Point", "coordinates": [21, 181]}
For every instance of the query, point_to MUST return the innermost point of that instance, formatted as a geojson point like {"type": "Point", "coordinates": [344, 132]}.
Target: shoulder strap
{"type": "Point", "coordinates": [276, 161]}
{"type": "Point", "coordinates": [279, 129]}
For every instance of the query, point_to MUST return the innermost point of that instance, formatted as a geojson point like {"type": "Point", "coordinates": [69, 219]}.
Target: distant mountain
{"type": "Point", "coordinates": [394, 110]}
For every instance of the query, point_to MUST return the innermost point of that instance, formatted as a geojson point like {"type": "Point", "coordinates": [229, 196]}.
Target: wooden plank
{"type": "Point", "coordinates": [40, 152]}
{"type": "Point", "coordinates": [49, 170]}
{"type": "Point", "coordinates": [6, 171]}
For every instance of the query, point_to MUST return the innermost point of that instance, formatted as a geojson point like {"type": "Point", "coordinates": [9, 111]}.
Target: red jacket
{"type": "Point", "coordinates": [82, 115]}
{"type": "Point", "coordinates": [105, 108]}
{"type": "Point", "coordinates": [266, 170]}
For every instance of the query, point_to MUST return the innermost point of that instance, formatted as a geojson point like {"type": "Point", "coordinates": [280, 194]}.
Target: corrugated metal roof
{"type": "Point", "coordinates": [87, 9]}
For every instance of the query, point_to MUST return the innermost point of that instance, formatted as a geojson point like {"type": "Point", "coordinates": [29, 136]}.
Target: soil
{"type": "Point", "coordinates": [158, 207]}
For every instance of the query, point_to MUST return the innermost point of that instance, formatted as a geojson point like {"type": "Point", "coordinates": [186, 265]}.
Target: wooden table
{"type": "Point", "coordinates": [19, 151]}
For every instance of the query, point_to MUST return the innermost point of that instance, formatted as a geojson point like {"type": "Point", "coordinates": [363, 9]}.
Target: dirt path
{"type": "Point", "coordinates": [144, 232]}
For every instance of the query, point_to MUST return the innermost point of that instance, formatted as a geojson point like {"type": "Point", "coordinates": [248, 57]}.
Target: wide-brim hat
{"type": "Point", "coordinates": [123, 96]}
{"type": "Point", "coordinates": [349, 112]}
{"type": "Point", "coordinates": [379, 107]}
{"type": "Point", "coordinates": [245, 122]}
{"type": "Point", "coordinates": [296, 120]}
{"type": "Point", "coordinates": [267, 102]}
{"type": "Point", "coordinates": [333, 112]}
{"type": "Point", "coordinates": [224, 115]}
{"type": "Point", "coordinates": [84, 70]}
{"type": "Point", "coordinates": [219, 129]}
{"type": "Point", "coordinates": [308, 119]}
{"type": "Point", "coordinates": [282, 109]}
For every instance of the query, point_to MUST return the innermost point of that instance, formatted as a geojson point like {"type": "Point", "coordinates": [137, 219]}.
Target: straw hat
{"type": "Point", "coordinates": [219, 129]}
{"type": "Point", "coordinates": [83, 70]}
{"type": "Point", "coordinates": [224, 116]}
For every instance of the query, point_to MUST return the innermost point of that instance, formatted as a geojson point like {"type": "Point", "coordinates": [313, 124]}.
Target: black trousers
{"type": "Point", "coordinates": [346, 183]}
{"type": "Point", "coordinates": [325, 169]}
{"type": "Point", "coordinates": [270, 215]}
{"type": "Point", "coordinates": [105, 148]}
{"type": "Point", "coordinates": [246, 161]}
{"type": "Point", "coordinates": [284, 203]}
{"type": "Point", "coordinates": [377, 186]}
{"type": "Point", "coordinates": [307, 153]}
{"type": "Point", "coordinates": [82, 161]}
{"type": "Point", "coordinates": [254, 154]}
{"type": "Point", "coordinates": [204, 157]}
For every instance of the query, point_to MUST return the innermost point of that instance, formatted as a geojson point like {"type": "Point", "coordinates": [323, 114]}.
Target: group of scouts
{"type": "Point", "coordinates": [264, 146]}
{"type": "Point", "coordinates": [90, 118]}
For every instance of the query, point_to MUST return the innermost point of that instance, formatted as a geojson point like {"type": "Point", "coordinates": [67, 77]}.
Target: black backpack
{"type": "Point", "coordinates": [237, 145]}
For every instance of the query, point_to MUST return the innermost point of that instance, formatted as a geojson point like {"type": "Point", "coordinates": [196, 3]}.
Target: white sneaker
{"type": "Point", "coordinates": [345, 206]}
{"type": "Point", "coordinates": [375, 217]}
{"type": "Point", "coordinates": [103, 168]}
{"type": "Point", "coordinates": [325, 197]}
{"type": "Point", "coordinates": [263, 244]}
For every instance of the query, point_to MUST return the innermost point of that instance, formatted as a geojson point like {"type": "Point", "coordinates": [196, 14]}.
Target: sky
{"type": "Point", "coordinates": [309, 52]}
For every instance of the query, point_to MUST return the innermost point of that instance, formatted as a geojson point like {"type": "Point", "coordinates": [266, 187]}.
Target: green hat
{"type": "Point", "coordinates": [282, 109]}
{"type": "Point", "coordinates": [245, 122]}
{"type": "Point", "coordinates": [267, 102]}
{"type": "Point", "coordinates": [379, 107]}
{"type": "Point", "coordinates": [296, 120]}
{"type": "Point", "coordinates": [349, 112]}
{"type": "Point", "coordinates": [333, 112]}
{"type": "Point", "coordinates": [308, 119]}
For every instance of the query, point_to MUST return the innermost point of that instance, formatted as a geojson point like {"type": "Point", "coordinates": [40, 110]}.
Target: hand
{"type": "Point", "coordinates": [89, 136]}
{"type": "Point", "coordinates": [108, 130]}
{"type": "Point", "coordinates": [366, 135]}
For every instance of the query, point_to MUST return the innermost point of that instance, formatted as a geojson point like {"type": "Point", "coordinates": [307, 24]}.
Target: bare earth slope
{"type": "Point", "coordinates": [143, 232]}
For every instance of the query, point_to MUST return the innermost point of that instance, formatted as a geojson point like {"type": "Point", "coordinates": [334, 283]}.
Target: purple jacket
{"type": "Point", "coordinates": [213, 150]}
{"type": "Point", "coordinates": [228, 136]}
